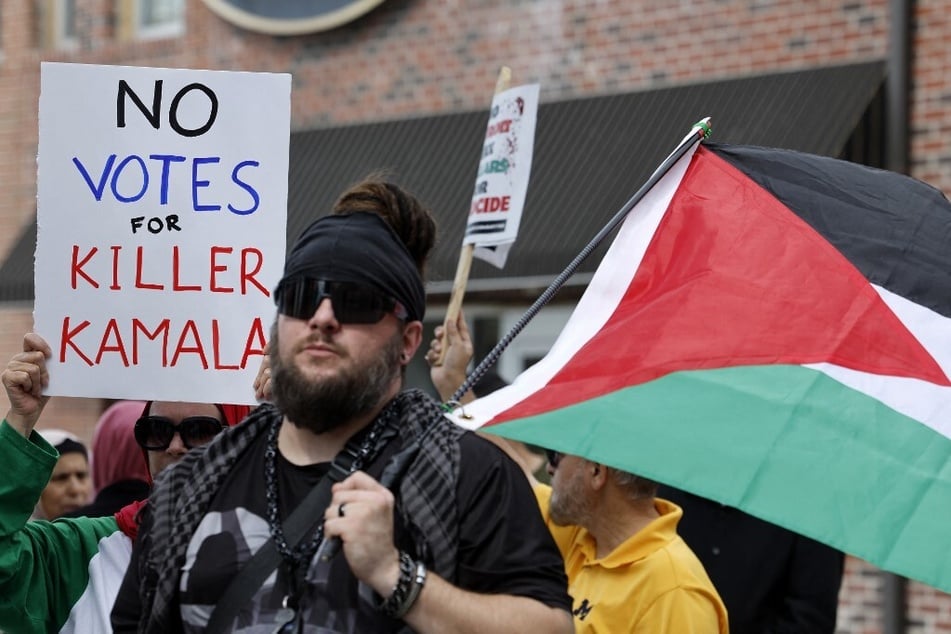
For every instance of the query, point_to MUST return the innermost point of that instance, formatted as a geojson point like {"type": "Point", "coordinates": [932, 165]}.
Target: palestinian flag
{"type": "Point", "coordinates": [771, 330]}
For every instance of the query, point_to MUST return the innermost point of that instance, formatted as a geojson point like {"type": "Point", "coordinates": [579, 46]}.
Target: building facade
{"type": "Point", "coordinates": [404, 59]}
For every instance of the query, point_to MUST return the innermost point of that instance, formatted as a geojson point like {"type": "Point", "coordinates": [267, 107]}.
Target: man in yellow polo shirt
{"type": "Point", "coordinates": [628, 570]}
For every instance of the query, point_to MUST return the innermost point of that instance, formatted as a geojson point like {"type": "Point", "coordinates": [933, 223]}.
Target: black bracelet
{"type": "Point", "coordinates": [418, 582]}
{"type": "Point", "coordinates": [407, 588]}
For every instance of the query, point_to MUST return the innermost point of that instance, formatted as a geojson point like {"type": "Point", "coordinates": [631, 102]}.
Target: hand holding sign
{"type": "Point", "coordinates": [501, 183]}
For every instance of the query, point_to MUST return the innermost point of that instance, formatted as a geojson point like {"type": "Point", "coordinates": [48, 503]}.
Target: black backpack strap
{"type": "Point", "coordinates": [301, 523]}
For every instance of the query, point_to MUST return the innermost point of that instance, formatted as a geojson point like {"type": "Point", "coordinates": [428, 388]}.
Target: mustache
{"type": "Point", "coordinates": [321, 339]}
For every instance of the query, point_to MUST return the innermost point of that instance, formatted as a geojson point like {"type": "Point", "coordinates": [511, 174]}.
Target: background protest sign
{"type": "Point", "coordinates": [162, 212]}
{"type": "Point", "coordinates": [504, 169]}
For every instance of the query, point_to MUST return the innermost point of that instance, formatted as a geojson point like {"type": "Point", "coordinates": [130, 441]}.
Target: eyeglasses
{"type": "Point", "coordinates": [156, 432]}
{"type": "Point", "coordinates": [554, 457]}
{"type": "Point", "coordinates": [352, 303]}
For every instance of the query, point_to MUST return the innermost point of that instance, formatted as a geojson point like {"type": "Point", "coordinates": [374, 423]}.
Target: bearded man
{"type": "Point", "coordinates": [437, 527]}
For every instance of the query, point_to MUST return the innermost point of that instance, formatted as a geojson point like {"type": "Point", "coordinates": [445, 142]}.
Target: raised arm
{"type": "Point", "coordinates": [44, 566]}
{"type": "Point", "coordinates": [448, 375]}
{"type": "Point", "coordinates": [24, 379]}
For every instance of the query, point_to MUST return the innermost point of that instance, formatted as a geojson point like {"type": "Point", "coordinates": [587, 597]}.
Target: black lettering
{"type": "Point", "coordinates": [152, 115]}
{"type": "Point", "coordinates": [173, 111]}
{"type": "Point", "coordinates": [583, 610]}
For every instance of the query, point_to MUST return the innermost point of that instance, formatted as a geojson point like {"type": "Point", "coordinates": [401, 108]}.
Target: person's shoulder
{"type": "Point", "coordinates": [478, 450]}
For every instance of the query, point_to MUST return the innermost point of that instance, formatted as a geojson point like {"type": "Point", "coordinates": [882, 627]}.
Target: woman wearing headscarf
{"type": "Point", "coordinates": [63, 576]}
{"type": "Point", "coordinates": [69, 487]}
{"type": "Point", "coordinates": [119, 475]}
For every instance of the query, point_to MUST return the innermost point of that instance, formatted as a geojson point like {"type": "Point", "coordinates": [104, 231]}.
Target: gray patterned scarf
{"type": "Point", "coordinates": [426, 500]}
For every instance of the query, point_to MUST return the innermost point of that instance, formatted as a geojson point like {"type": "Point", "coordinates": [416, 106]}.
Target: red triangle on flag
{"type": "Point", "coordinates": [732, 277]}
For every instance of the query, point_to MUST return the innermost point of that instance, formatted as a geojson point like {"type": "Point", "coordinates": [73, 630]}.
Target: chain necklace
{"type": "Point", "coordinates": [367, 450]}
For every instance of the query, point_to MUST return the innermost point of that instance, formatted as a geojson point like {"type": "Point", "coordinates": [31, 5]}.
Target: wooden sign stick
{"type": "Point", "coordinates": [465, 255]}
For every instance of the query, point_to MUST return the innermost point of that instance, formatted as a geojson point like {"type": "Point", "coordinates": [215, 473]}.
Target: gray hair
{"type": "Point", "coordinates": [635, 486]}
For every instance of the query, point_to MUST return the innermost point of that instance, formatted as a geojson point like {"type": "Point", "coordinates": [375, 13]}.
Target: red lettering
{"type": "Point", "coordinates": [176, 285]}
{"type": "Point", "coordinates": [115, 268]}
{"type": "Point", "coordinates": [66, 339]}
{"type": "Point", "coordinates": [138, 326]}
{"type": "Point", "coordinates": [257, 331]}
{"type": "Point", "coordinates": [180, 347]}
{"type": "Point", "coordinates": [498, 128]}
{"type": "Point", "coordinates": [215, 345]}
{"type": "Point", "coordinates": [138, 273]}
{"type": "Point", "coordinates": [248, 275]}
{"type": "Point", "coordinates": [189, 341]}
{"type": "Point", "coordinates": [112, 330]}
{"type": "Point", "coordinates": [77, 267]}
{"type": "Point", "coordinates": [488, 204]}
{"type": "Point", "coordinates": [216, 268]}
{"type": "Point", "coordinates": [221, 270]}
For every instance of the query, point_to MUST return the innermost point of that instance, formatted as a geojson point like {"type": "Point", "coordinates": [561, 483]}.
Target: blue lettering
{"type": "Point", "coordinates": [96, 189]}
{"type": "Point", "coordinates": [246, 187]}
{"type": "Point", "coordinates": [129, 185]}
{"type": "Point", "coordinates": [115, 179]}
{"type": "Point", "coordinates": [167, 160]}
{"type": "Point", "coordinates": [202, 160]}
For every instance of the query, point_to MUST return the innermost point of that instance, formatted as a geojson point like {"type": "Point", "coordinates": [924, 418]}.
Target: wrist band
{"type": "Point", "coordinates": [408, 586]}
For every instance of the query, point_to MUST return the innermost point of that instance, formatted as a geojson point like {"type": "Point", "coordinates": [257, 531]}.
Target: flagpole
{"type": "Point", "coordinates": [698, 132]}
{"type": "Point", "coordinates": [465, 255]}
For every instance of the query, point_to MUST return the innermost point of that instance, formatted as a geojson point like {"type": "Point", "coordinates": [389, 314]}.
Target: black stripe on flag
{"type": "Point", "coordinates": [895, 229]}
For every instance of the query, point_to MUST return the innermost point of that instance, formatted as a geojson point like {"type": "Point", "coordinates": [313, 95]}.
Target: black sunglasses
{"type": "Point", "coordinates": [554, 457]}
{"type": "Point", "coordinates": [352, 303]}
{"type": "Point", "coordinates": [156, 432]}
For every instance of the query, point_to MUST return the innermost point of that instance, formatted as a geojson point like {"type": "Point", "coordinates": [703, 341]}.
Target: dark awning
{"type": "Point", "coordinates": [591, 155]}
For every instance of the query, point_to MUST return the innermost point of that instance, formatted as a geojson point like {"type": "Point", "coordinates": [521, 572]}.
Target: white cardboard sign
{"type": "Point", "coordinates": [504, 170]}
{"type": "Point", "coordinates": [162, 213]}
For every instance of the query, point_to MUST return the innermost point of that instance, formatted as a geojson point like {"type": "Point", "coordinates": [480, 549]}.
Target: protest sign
{"type": "Point", "coordinates": [504, 169]}
{"type": "Point", "coordinates": [162, 212]}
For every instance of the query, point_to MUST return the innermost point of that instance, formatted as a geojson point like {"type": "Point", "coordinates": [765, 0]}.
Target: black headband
{"type": "Point", "coordinates": [359, 247]}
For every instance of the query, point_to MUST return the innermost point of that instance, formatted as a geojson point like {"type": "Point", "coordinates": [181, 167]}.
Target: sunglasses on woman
{"type": "Point", "coordinates": [155, 433]}
{"type": "Point", "coordinates": [352, 303]}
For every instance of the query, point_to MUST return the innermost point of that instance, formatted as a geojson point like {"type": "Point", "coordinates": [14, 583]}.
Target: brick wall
{"type": "Point", "coordinates": [410, 58]}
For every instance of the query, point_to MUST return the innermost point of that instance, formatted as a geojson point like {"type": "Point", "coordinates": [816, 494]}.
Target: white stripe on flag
{"type": "Point", "coordinates": [598, 303]}
{"type": "Point", "coordinates": [925, 402]}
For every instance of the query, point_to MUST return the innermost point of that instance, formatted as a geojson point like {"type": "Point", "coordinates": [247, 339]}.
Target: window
{"type": "Point", "coordinates": [64, 23]}
{"type": "Point", "coordinates": [58, 24]}
{"type": "Point", "coordinates": [157, 18]}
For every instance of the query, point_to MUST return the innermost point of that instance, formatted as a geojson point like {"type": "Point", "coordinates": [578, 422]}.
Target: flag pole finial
{"type": "Point", "coordinates": [703, 127]}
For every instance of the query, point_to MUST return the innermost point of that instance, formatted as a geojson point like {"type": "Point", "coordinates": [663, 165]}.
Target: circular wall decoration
{"type": "Point", "coordinates": [290, 17]}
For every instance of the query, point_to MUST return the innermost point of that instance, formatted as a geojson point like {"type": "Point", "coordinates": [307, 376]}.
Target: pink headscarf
{"type": "Point", "coordinates": [115, 454]}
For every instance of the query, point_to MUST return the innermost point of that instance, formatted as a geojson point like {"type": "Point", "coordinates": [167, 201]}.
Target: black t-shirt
{"type": "Point", "coordinates": [770, 578]}
{"type": "Point", "coordinates": [503, 545]}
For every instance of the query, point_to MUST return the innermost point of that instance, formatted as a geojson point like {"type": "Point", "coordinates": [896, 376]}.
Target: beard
{"type": "Point", "coordinates": [330, 402]}
{"type": "Point", "coordinates": [567, 504]}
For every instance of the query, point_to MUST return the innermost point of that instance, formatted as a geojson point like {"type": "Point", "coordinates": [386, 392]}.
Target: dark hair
{"type": "Point", "coordinates": [406, 215]}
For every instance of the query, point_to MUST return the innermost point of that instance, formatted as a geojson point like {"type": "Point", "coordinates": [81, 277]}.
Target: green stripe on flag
{"type": "Point", "coordinates": [783, 442]}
